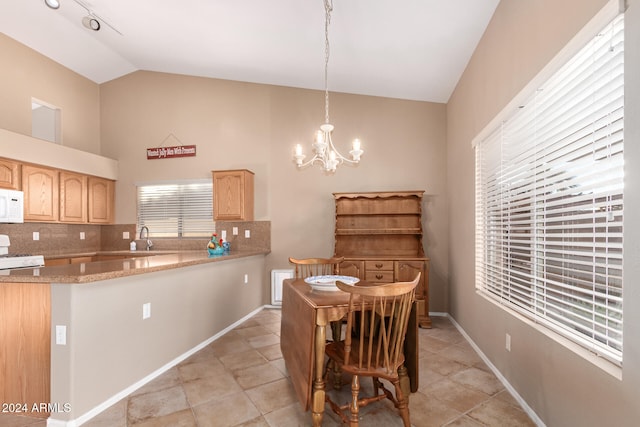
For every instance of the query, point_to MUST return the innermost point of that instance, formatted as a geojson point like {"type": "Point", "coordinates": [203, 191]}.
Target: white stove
{"type": "Point", "coordinates": [16, 261]}
{"type": "Point", "coordinates": [21, 261]}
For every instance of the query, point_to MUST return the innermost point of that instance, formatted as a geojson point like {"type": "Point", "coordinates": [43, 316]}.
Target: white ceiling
{"type": "Point", "coordinates": [407, 49]}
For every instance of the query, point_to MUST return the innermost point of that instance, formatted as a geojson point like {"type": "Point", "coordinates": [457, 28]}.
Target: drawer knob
{"type": "Point", "coordinates": [379, 276]}
{"type": "Point", "coordinates": [379, 265]}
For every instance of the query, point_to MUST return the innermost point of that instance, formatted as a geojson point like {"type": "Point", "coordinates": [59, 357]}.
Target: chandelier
{"type": "Point", "coordinates": [325, 153]}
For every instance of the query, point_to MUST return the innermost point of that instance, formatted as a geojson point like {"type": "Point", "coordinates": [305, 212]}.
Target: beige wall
{"type": "Point", "coordinates": [189, 306]}
{"type": "Point", "coordinates": [25, 74]}
{"type": "Point", "coordinates": [562, 388]}
{"type": "Point", "coordinates": [242, 125]}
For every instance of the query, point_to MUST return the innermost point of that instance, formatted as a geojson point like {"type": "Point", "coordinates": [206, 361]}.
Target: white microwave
{"type": "Point", "coordinates": [11, 206]}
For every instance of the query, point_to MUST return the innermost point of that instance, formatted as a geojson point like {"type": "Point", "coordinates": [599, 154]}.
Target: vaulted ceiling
{"type": "Point", "coordinates": [407, 49]}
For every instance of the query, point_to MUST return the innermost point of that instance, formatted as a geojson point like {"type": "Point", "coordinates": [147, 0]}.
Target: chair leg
{"type": "Point", "coordinates": [403, 407]}
{"type": "Point", "coordinates": [354, 409]}
{"type": "Point", "coordinates": [405, 384]}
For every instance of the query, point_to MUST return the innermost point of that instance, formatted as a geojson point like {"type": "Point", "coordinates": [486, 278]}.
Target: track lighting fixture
{"type": "Point", "coordinates": [91, 23]}
{"type": "Point", "coordinates": [53, 4]}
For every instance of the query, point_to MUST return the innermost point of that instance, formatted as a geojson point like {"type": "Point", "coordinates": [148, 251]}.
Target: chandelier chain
{"type": "Point", "coordinates": [328, 7]}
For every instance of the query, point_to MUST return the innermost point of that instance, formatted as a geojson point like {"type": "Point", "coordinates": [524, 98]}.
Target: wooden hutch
{"type": "Point", "coordinates": [380, 236]}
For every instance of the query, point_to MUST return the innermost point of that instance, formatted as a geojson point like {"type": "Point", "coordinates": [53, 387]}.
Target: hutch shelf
{"type": "Point", "coordinates": [380, 236]}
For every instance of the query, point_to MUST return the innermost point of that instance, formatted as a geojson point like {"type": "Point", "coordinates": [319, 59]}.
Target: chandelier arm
{"type": "Point", "coordinates": [339, 157]}
{"type": "Point", "coordinates": [316, 160]}
{"type": "Point", "coordinates": [334, 149]}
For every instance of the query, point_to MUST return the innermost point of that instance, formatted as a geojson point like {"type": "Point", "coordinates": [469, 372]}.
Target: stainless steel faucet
{"type": "Point", "coordinates": [149, 242]}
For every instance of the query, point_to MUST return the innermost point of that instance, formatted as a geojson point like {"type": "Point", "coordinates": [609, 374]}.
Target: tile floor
{"type": "Point", "coordinates": [240, 380]}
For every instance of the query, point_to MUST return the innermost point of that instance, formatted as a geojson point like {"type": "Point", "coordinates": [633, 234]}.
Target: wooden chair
{"type": "Point", "coordinates": [308, 267]}
{"type": "Point", "coordinates": [375, 350]}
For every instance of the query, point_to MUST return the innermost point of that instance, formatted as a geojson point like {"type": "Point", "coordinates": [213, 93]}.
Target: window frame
{"type": "Point", "coordinates": [199, 213]}
{"type": "Point", "coordinates": [495, 130]}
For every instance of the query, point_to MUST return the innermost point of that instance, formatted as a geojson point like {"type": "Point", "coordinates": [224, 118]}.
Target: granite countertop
{"type": "Point", "coordinates": [140, 262]}
{"type": "Point", "coordinates": [132, 254]}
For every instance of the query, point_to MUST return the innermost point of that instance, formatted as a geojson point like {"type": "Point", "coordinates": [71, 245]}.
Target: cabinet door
{"type": "Point", "coordinates": [101, 195]}
{"type": "Point", "coordinates": [80, 259]}
{"type": "Point", "coordinates": [233, 195]}
{"type": "Point", "coordinates": [40, 186]}
{"type": "Point", "coordinates": [354, 268]}
{"type": "Point", "coordinates": [406, 271]}
{"type": "Point", "coordinates": [56, 261]}
{"type": "Point", "coordinates": [25, 344]}
{"type": "Point", "coordinates": [73, 197]}
{"type": "Point", "coordinates": [9, 174]}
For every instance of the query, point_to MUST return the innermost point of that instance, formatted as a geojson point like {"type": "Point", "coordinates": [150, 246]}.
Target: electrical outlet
{"type": "Point", "coordinates": [146, 310]}
{"type": "Point", "coordinates": [246, 278]}
{"type": "Point", "coordinates": [223, 235]}
{"type": "Point", "coordinates": [247, 234]}
{"type": "Point", "coordinates": [507, 342]}
{"type": "Point", "coordinates": [61, 335]}
{"type": "Point", "coordinates": [36, 235]}
{"type": "Point", "coordinates": [82, 235]}
{"type": "Point", "coordinates": [125, 235]}
{"type": "Point", "coordinates": [235, 231]}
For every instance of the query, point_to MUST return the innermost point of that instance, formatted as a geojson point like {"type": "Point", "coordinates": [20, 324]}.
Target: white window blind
{"type": "Point", "coordinates": [176, 210]}
{"type": "Point", "coordinates": [549, 201]}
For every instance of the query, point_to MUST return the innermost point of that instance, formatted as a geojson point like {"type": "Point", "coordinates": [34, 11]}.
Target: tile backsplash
{"type": "Point", "coordinates": [55, 239]}
{"type": "Point", "coordinates": [59, 239]}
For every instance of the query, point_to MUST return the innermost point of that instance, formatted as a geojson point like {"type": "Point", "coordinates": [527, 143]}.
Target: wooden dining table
{"type": "Point", "coordinates": [306, 312]}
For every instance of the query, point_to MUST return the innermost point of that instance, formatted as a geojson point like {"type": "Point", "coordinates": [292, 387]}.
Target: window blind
{"type": "Point", "coordinates": [549, 201]}
{"type": "Point", "coordinates": [176, 210]}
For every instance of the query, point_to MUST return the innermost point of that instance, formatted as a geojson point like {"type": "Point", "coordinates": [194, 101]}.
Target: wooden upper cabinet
{"type": "Point", "coordinates": [233, 195]}
{"type": "Point", "coordinates": [9, 174]}
{"type": "Point", "coordinates": [73, 197]}
{"type": "Point", "coordinates": [53, 195]}
{"type": "Point", "coordinates": [40, 186]}
{"type": "Point", "coordinates": [101, 200]}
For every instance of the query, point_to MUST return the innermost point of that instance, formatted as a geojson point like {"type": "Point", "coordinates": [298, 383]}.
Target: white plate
{"type": "Point", "coordinates": [328, 283]}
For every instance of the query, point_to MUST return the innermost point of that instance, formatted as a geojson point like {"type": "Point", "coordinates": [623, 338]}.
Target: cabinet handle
{"type": "Point", "coordinates": [378, 265]}
{"type": "Point", "coordinates": [379, 276]}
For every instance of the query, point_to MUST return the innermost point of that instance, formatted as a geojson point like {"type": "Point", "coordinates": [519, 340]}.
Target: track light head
{"type": "Point", "coordinates": [91, 23]}
{"type": "Point", "coordinates": [53, 4]}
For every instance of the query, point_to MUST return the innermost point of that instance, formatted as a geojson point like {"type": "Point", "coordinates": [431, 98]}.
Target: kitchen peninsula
{"type": "Point", "coordinates": [117, 324]}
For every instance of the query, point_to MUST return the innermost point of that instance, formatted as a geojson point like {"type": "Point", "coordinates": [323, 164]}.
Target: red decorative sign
{"type": "Point", "coordinates": [171, 152]}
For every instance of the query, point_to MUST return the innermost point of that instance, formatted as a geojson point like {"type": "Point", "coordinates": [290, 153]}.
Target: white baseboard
{"type": "Point", "coordinates": [498, 374]}
{"type": "Point", "coordinates": [51, 422]}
